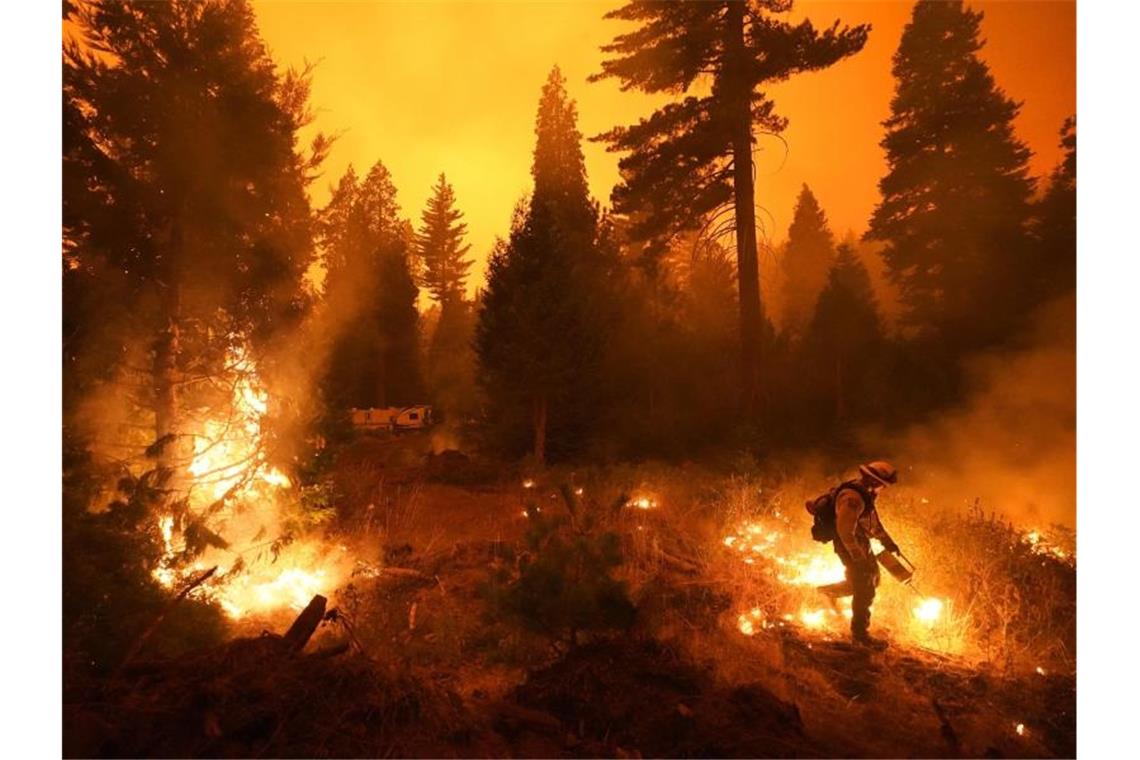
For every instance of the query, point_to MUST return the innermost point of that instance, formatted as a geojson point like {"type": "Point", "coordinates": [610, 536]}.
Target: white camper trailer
{"type": "Point", "coordinates": [392, 418]}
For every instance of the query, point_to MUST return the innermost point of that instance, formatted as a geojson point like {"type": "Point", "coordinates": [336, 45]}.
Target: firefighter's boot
{"type": "Point", "coordinates": [868, 641]}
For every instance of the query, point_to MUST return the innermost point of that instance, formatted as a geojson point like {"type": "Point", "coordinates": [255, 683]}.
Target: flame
{"type": "Point", "coordinates": [928, 610]}
{"type": "Point", "coordinates": [747, 621]}
{"type": "Point", "coordinates": [244, 497]}
{"type": "Point", "coordinates": [813, 618]}
{"type": "Point", "coordinates": [642, 502]}
{"type": "Point", "coordinates": [291, 588]}
{"type": "Point", "coordinates": [1044, 545]}
{"type": "Point", "coordinates": [809, 572]}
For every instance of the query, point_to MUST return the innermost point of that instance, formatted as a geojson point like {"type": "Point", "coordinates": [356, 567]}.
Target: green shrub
{"type": "Point", "coordinates": [109, 593]}
{"type": "Point", "coordinates": [564, 583]}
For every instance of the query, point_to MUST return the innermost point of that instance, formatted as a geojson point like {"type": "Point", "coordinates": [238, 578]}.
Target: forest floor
{"type": "Point", "coordinates": [433, 672]}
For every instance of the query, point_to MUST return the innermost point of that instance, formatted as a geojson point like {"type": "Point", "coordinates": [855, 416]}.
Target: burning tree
{"type": "Point", "coordinates": [187, 233]}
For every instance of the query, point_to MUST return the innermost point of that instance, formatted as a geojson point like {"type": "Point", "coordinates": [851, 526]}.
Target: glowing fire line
{"type": "Point", "coordinates": [799, 568]}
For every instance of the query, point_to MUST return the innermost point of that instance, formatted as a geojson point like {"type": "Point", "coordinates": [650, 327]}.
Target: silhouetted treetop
{"type": "Point", "coordinates": [689, 163]}
{"type": "Point", "coordinates": [679, 167]}
{"type": "Point", "coordinates": [955, 200]}
{"type": "Point", "coordinates": [807, 259]}
{"type": "Point", "coordinates": [440, 246]}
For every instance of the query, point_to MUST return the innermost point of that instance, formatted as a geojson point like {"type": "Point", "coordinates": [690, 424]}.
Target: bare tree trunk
{"type": "Point", "coordinates": [540, 429]}
{"type": "Point", "coordinates": [840, 406]}
{"type": "Point", "coordinates": [747, 258]}
{"type": "Point", "coordinates": [164, 379]}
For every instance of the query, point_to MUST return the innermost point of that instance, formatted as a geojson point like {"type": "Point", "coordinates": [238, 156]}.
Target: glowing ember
{"type": "Point", "coordinates": [642, 502]}
{"type": "Point", "coordinates": [1020, 729]}
{"type": "Point", "coordinates": [813, 618]}
{"type": "Point", "coordinates": [1040, 544]}
{"type": "Point", "coordinates": [747, 621]}
{"type": "Point", "coordinates": [928, 610]}
{"type": "Point", "coordinates": [528, 483]}
{"type": "Point", "coordinates": [1040, 670]}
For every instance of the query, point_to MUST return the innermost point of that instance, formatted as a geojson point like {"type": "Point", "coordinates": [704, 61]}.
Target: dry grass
{"type": "Point", "coordinates": [1009, 609]}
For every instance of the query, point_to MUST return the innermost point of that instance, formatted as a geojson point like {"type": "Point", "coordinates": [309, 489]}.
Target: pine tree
{"type": "Point", "coordinates": [451, 362]}
{"type": "Point", "coordinates": [807, 259]}
{"type": "Point", "coordinates": [538, 338]}
{"type": "Point", "coordinates": [690, 162]}
{"type": "Point", "coordinates": [186, 234]}
{"type": "Point", "coordinates": [184, 193]}
{"type": "Point", "coordinates": [440, 246]}
{"type": "Point", "coordinates": [370, 289]}
{"type": "Point", "coordinates": [1055, 222]}
{"type": "Point", "coordinates": [844, 338]}
{"type": "Point", "coordinates": [956, 196]}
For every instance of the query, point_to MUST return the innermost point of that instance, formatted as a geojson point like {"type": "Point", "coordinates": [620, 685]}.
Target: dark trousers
{"type": "Point", "coordinates": [864, 577]}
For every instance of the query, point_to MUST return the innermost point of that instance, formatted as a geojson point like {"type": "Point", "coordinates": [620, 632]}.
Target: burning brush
{"type": "Point", "coordinates": [232, 489]}
{"type": "Point", "coordinates": [805, 571]}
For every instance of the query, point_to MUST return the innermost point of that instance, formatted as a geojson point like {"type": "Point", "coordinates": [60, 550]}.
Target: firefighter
{"type": "Point", "coordinates": [856, 523]}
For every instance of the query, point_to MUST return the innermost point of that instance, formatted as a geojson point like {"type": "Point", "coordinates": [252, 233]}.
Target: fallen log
{"type": "Point", "coordinates": [332, 650]}
{"type": "Point", "coordinates": [305, 625]}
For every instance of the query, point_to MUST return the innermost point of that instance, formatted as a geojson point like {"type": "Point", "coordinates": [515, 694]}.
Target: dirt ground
{"type": "Point", "coordinates": [430, 672]}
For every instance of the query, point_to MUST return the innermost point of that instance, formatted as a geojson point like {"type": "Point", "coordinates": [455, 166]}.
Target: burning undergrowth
{"type": "Point", "coordinates": [984, 590]}
{"type": "Point", "coordinates": [240, 513]}
{"type": "Point", "coordinates": [218, 497]}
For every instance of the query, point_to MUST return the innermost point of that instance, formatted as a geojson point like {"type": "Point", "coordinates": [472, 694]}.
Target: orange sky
{"type": "Point", "coordinates": [430, 87]}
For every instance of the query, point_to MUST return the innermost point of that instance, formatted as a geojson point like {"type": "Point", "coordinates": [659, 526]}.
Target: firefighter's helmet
{"type": "Point", "coordinates": [882, 472]}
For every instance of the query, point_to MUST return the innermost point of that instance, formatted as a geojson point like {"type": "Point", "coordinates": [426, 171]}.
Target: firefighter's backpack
{"type": "Point", "coordinates": [822, 510]}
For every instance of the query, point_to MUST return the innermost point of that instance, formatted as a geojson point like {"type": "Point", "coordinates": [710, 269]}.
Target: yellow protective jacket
{"type": "Point", "coordinates": [856, 525]}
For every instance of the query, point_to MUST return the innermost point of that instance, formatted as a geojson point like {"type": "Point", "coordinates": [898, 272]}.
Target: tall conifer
{"type": "Point", "coordinates": [690, 163]}
{"type": "Point", "coordinates": [955, 200]}
{"type": "Point", "coordinates": [807, 260]}
{"type": "Point", "coordinates": [538, 338]}
{"type": "Point", "coordinates": [441, 248]}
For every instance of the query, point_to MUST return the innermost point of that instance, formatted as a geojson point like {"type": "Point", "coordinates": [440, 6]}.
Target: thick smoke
{"type": "Point", "coordinates": [1013, 443]}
